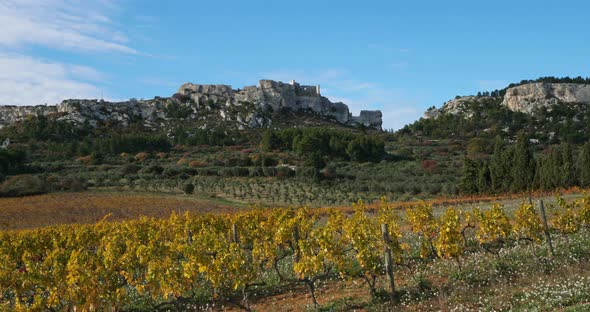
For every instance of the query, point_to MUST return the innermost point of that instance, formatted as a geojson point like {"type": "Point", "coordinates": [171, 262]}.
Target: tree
{"type": "Point", "coordinates": [568, 170]}
{"type": "Point", "coordinates": [483, 179]}
{"type": "Point", "coordinates": [468, 183]}
{"type": "Point", "coordinates": [189, 188]}
{"type": "Point", "coordinates": [500, 166]}
{"type": "Point", "coordinates": [523, 170]}
{"type": "Point", "coordinates": [584, 165]}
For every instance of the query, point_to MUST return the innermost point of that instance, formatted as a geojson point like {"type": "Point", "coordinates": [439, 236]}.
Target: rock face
{"type": "Point", "coordinates": [526, 98]}
{"type": "Point", "coordinates": [277, 96]}
{"type": "Point", "coordinates": [367, 118]}
{"type": "Point", "coordinates": [10, 113]}
{"type": "Point", "coordinates": [246, 108]}
{"type": "Point", "coordinates": [456, 106]}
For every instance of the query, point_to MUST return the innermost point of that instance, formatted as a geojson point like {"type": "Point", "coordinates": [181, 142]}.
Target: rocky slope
{"type": "Point", "coordinates": [250, 107]}
{"type": "Point", "coordinates": [528, 97]}
{"type": "Point", "coordinates": [523, 98]}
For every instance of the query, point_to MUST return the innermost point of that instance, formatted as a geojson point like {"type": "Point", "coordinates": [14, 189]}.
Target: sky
{"type": "Point", "coordinates": [397, 56]}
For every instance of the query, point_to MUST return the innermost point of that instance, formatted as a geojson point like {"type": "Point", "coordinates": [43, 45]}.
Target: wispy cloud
{"type": "Point", "coordinates": [85, 28]}
{"type": "Point", "coordinates": [28, 81]}
{"type": "Point", "coordinates": [61, 24]}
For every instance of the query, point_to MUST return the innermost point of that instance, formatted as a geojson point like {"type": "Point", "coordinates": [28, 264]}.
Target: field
{"type": "Point", "coordinates": [93, 206]}
{"type": "Point", "coordinates": [253, 259]}
{"type": "Point", "coordinates": [87, 207]}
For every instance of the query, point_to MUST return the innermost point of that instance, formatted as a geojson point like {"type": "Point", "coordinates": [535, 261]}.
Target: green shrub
{"type": "Point", "coordinates": [269, 171]}
{"type": "Point", "coordinates": [75, 184]}
{"type": "Point", "coordinates": [189, 188]}
{"type": "Point", "coordinates": [23, 185]}
{"type": "Point", "coordinates": [130, 169]}
{"type": "Point", "coordinates": [172, 171]}
{"type": "Point", "coordinates": [153, 169]}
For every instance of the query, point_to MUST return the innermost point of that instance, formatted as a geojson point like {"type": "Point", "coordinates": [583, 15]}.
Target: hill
{"type": "Point", "coordinates": [202, 106]}
{"type": "Point", "coordinates": [285, 144]}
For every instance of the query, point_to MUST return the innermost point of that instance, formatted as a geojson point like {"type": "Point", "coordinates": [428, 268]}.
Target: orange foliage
{"type": "Point", "coordinates": [198, 164]}
{"type": "Point", "coordinates": [141, 156]}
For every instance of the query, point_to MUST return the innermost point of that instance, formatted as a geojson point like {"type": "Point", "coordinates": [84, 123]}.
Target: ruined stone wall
{"type": "Point", "coordinates": [279, 95]}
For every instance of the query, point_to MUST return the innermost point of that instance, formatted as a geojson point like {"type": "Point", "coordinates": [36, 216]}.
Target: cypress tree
{"type": "Point", "coordinates": [499, 168]}
{"type": "Point", "coordinates": [584, 165]}
{"type": "Point", "coordinates": [483, 179]}
{"type": "Point", "coordinates": [523, 170]}
{"type": "Point", "coordinates": [468, 183]}
{"type": "Point", "coordinates": [568, 173]}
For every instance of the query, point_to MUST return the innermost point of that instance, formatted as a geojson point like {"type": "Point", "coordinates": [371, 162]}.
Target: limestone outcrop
{"type": "Point", "coordinates": [249, 107]}
{"type": "Point", "coordinates": [526, 98]}
{"type": "Point", "coordinates": [277, 96]}
{"type": "Point", "coordinates": [10, 113]}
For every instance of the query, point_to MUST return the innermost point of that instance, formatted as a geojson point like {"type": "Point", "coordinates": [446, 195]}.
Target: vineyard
{"type": "Point", "coordinates": [404, 257]}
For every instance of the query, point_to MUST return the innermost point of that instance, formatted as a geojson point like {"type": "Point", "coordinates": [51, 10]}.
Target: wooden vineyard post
{"type": "Point", "coordinates": [388, 260]}
{"type": "Point", "coordinates": [296, 242]}
{"type": "Point", "coordinates": [234, 230]}
{"type": "Point", "coordinates": [546, 229]}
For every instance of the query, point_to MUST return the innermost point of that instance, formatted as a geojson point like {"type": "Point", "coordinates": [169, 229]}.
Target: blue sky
{"type": "Point", "coordinates": [398, 56]}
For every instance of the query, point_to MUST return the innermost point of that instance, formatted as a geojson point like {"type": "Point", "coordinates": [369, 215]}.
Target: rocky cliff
{"type": "Point", "coordinates": [276, 96]}
{"type": "Point", "coordinates": [526, 98]}
{"type": "Point", "coordinates": [249, 107]}
{"type": "Point", "coordinates": [523, 98]}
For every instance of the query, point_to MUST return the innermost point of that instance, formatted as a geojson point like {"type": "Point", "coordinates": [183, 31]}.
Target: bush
{"type": "Point", "coordinates": [154, 169]}
{"type": "Point", "coordinates": [198, 164]}
{"type": "Point", "coordinates": [307, 172]}
{"type": "Point", "coordinates": [161, 155]}
{"type": "Point", "coordinates": [23, 185]}
{"type": "Point", "coordinates": [75, 184]}
{"type": "Point", "coordinates": [329, 172]}
{"type": "Point", "coordinates": [172, 171]}
{"type": "Point", "coordinates": [85, 159]}
{"type": "Point", "coordinates": [207, 172]}
{"type": "Point", "coordinates": [130, 169]}
{"type": "Point", "coordinates": [429, 165]}
{"type": "Point", "coordinates": [235, 172]}
{"type": "Point", "coordinates": [141, 156]}
{"type": "Point", "coordinates": [284, 172]}
{"type": "Point", "coordinates": [256, 172]}
{"type": "Point", "coordinates": [189, 188]}
{"type": "Point", "coordinates": [269, 171]}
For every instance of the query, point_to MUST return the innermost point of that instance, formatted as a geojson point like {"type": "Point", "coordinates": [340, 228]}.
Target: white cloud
{"type": "Point", "coordinates": [27, 81]}
{"type": "Point", "coordinates": [70, 26]}
{"type": "Point", "coordinates": [60, 24]}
